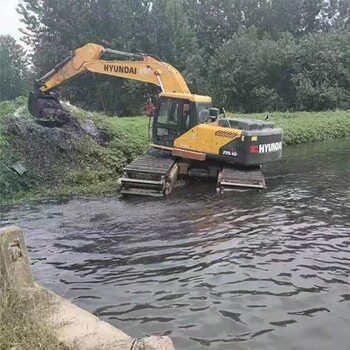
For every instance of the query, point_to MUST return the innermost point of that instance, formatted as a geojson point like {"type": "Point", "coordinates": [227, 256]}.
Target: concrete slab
{"type": "Point", "coordinates": [15, 270]}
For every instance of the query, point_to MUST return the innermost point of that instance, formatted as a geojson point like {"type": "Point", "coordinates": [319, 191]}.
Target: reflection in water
{"type": "Point", "coordinates": [248, 270]}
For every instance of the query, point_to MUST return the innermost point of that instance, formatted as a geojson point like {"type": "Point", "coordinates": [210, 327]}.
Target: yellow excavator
{"type": "Point", "coordinates": [189, 138]}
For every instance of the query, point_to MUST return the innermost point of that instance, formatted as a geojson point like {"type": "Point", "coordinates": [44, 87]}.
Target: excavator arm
{"type": "Point", "coordinates": [138, 67]}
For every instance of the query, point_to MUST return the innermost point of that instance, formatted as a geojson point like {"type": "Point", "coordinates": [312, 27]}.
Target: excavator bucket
{"type": "Point", "coordinates": [46, 108]}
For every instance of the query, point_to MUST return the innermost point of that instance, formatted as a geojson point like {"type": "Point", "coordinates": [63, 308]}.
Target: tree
{"type": "Point", "coordinates": [249, 74]}
{"type": "Point", "coordinates": [322, 72]}
{"type": "Point", "coordinates": [251, 55]}
{"type": "Point", "coordinates": [13, 68]}
{"type": "Point", "coordinates": [336, 15]}
{"type": "Point", "coordinates": [54, 28]}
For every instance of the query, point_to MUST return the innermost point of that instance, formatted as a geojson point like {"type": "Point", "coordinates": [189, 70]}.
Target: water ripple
{"type": "Point", "coordinates": [248, 270]}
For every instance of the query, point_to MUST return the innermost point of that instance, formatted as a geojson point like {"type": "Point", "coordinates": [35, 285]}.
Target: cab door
{"type": "Point", "coordinates": [172, 119]}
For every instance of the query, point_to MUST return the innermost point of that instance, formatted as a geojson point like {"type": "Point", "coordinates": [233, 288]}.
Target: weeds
{"type": "Point", "coordinates": [23, 320]}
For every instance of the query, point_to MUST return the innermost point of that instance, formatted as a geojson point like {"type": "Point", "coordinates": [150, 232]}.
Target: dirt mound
{"type": "Point", "coordinates": [84, 156]}
{"type": "Point", "coordinates": [51, 152]}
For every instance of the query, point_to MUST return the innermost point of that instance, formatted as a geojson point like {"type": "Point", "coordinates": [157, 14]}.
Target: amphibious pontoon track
{"type": "Point", "coordinates": [230, 178]}
{"type": "Point", "coordinates": [152, 174]}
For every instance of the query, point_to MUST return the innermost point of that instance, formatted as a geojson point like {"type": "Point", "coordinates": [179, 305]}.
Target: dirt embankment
{"type": "Point", "coordinates": [79, 157]}
{"type": "Point", "coordinates": [47, 149]}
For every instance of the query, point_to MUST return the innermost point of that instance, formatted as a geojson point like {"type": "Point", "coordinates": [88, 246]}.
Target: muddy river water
{"type": "Point", "coordinates": [251, 270]}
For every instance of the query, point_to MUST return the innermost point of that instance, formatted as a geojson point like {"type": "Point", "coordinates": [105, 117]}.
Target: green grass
{"type": "Point", "coordinates": [89, 168]}
{"type": "Point", "coordinates": [10, 108]}
{"type": "Point", "coordinates": [102, 165]}
{"type": "Point", "coordinates": [23, 320]}
{"type": "Point", "coordinates": [10, 183]}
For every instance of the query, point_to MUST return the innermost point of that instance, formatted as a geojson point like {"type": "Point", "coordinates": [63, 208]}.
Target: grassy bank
{"type": "Point", "coordinates": [22, 324]}
{"type": "Point", "coordinates": [87, 156]}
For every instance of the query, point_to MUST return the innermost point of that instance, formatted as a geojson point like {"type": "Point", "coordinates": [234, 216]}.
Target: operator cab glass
{"type": "Point", "coordinates": [175, 116]}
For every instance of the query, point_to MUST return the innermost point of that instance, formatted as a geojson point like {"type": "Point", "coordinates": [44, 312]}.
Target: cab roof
{"type": "Point", "coordinates": [182, 96]}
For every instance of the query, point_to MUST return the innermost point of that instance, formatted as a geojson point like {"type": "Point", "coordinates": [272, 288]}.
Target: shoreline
{"type": "Point", "coordinates": [37, 318]}
{"type": "Point", "coordinates": [89, 154]}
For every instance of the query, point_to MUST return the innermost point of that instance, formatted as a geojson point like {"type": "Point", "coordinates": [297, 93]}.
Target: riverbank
{"type": "Point", "coordinates": [33, 317]}
{"type": "Point", "coordinates": [164, 266]}
{"type": "Point", "coordinates": [86, 156]}
{"type": "Point", "coordinates": [22, 324]}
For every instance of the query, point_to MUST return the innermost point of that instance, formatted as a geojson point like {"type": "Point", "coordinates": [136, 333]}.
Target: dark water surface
{"type": "Point", "coordinates": [252, 270]}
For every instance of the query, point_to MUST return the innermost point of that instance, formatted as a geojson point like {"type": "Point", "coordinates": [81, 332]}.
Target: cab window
{"type": "Point", "coordinates": [163, 114]}
{"type": "Point", "coordinates": [172, 120]}
{"type": "Point", "coordinates": [168, 113]}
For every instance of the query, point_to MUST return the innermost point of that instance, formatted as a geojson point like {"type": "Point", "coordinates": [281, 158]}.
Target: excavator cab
{"type": "Point", "coordinates": [176, 114]}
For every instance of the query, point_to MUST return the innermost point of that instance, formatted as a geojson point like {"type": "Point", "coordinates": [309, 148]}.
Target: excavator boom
{"type": "Point", "coordinates": [138, 67]}
{"type": "Point", "coordinates": [44, 104]}
{"type": "Point", "coordinates": [71, 67]}
{"type": "Point", "coordinates": [148, 70]}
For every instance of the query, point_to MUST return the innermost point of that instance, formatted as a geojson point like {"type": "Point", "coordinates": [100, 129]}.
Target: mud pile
{"type": "Point", "coordinates": [45, 153]}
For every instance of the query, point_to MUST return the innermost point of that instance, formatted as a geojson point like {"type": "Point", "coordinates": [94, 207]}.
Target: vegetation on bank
{"type": "Point", "coordinates": [87, 156]}
{"type": "Point", "coordinates": [23, 322]}
{"type": "Point", "coordinates": [82, 158]}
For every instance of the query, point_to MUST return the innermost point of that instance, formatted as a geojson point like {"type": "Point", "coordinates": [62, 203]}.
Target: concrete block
{"type": "Point", "coordinates": [84, 331]}
{"type": "Point", "coordinates": [80, 329]}
{"type": "Point", "coordinates": [155, 342]}
{"type": "Point", "coordinates": [15, 270]}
